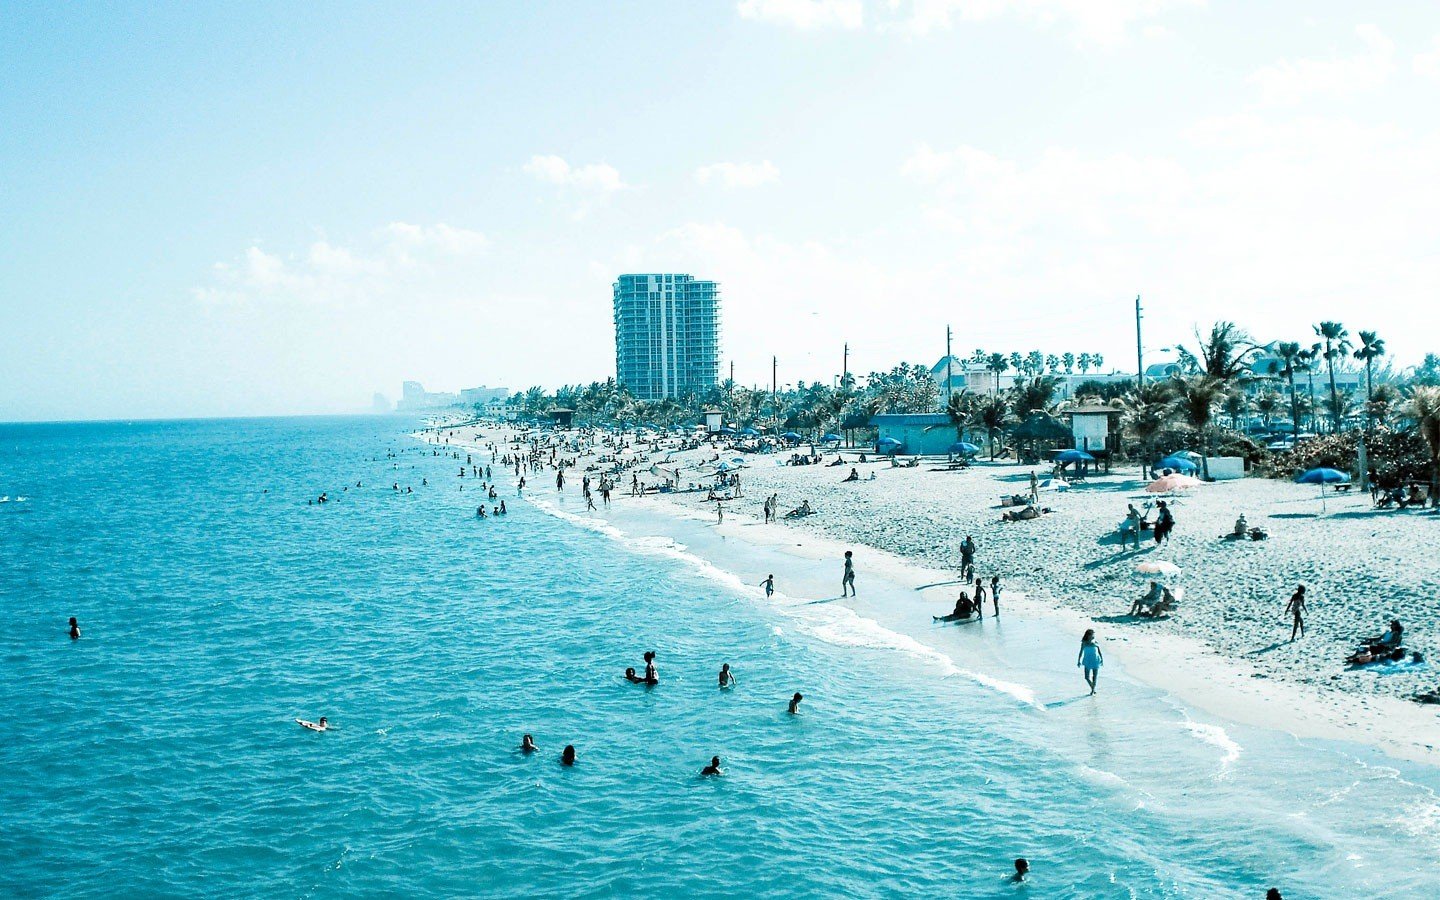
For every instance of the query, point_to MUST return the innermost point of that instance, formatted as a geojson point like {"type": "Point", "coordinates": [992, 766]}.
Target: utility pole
{"type": "Point", "coordinates": [948, 374]}
{"type": "Point", "coordinates": [845, 366]}
{"type": "Point", "coordinates": [774, 389]}
{"type": "Point", "coordinates": [732, 373]}
{"type": "Point", "coordinates": [1139, 351]}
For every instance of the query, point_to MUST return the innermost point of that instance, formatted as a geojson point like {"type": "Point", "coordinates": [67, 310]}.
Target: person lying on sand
{"type": "Point", "coordinates": [1029, 512]}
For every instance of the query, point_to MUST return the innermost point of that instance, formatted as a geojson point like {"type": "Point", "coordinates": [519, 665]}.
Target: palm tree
{"type": "Point", "coordinates": [1337, 344]}
{"type": "Point", "coordinates": [993, 416]}
{"type": "Point", "coordinates": [1035, 362]}
{"type": "Point", "coordinates": [1289, 353]}
{"type": "Point", "coordinates": [997, 363]}
{"type": "Point", "coordinates": [1037, 393]}
{"type": "Point", "coordinates": [1236, 404]}
{"type": "Point", "coordinates": [1069, 360]}
{"type": "Point", "coordinates": [1424, 408]}
{"type": "Point", "coordinates": [1372, 347]}
{"type": "Point", "coordinates": [1017, 362]}
{"type": "Point", "coordinates": [1097, 361]}
{"type": "Point", "coordinates": [1267, 404]}
{"type": "Point", "coordinates": [1226, 353]}
{"type": "Point", "coordinates": [960, 408]}
{"type": "Point", "coordinates": [1147, 412]}
{"type": "Point", "coordinates": [1052, 362]}
{"type": "Point", "coordinates": [1195, 400]}
{"type": "Point", "coordinates": [1084, 362]}
{"type": "Point", "coordinates": [1307, 365]}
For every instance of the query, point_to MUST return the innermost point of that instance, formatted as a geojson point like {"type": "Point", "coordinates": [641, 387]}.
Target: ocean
{"type": "Point", "coordinates": [159, 754]}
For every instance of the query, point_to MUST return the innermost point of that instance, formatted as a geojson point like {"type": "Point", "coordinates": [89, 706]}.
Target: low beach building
{"type": "Point", "coordinates": [919, 434]}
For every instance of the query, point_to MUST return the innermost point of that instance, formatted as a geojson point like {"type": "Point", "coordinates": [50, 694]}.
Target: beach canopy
{"type": "Point", "coordinates": [831, 438]}
{"type": "Point", "coordinates": [1171, 483]}
{"type": "Point", "coordinates": [1069, 456]}
{"type": "Point", "coordinates": [1323, 476]}
{"type": "Point", "coordinates": [1176, 461]}
{"type": "Point", "coordinates": [790, 436]}
{"type": "Point", "coordinates": [963, 448]}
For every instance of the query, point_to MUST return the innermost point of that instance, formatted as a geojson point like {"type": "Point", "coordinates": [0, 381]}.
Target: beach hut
{"type": "Point", "coordinates": [1038, 430]}
{"type": "Point", "coordinates": [714, 420]}
{"type": "Point", "coordinates": [562, 417]}
{"type": "Point", "coordinates": [920, 433]}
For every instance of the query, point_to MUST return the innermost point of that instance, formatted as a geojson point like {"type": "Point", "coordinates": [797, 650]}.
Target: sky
{"type": "Point", "coordinates": [278, 208]}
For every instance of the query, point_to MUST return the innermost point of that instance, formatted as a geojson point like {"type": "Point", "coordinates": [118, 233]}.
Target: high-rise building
{"type": "Point", "coordinates": [667, 335]}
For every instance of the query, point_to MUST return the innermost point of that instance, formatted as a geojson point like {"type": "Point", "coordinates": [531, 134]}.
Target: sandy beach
{"type": "Point", "coordinates": [1226, 650]}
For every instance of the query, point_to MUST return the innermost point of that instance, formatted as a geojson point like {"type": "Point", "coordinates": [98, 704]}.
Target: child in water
{"type": "Point", "coordinates": [795, 703]}
{"type": "Point", "coordinates": [726, 678]}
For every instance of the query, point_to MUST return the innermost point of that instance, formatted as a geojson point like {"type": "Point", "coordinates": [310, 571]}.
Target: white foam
{"type": "Point", "coordinates": [1215, 736]}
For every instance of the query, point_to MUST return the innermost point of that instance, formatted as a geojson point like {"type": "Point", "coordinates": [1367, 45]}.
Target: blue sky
{"type": "Point", "coordinates": [277, 208]}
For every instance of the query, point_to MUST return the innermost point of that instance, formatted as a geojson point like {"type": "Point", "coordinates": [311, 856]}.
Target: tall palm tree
{"type": "Point", "coordinates": [1424, 408]}
{"type": "Point", "coordinates": [1052, 362]}
{"type": "Point", "coordinates": [1035, 362]}
{"type": "Point", "coordinates": [1097, 361]}
{"type": "Point", "coordinates": [1289, 353]}
{"type": "Point", "coordinates": [1236, 404]}
{"type": "Point", "coordinates": [997, 363]}
{"type": "Point", "coordinates": [1267, 404]}
{"type": "Point", "coordinates": [993, 416]}
{"type": "Point", "coordinates": [1337, 344]}
{"type": "Point", "coordinates": [960, 408]}
{"type": "Point", "coordinates": [1195, 400]}
{"type": "Point", "coordinates": [1372, 347]}
{"type": "Point", "coordinates": [1147, 412]}
{"type": "Point", "coordinates": [1069, 360]}
{"type": "Point", "coordinates": [1308, 365]}
{"type": "Point", "coordinates": [1083, 360]}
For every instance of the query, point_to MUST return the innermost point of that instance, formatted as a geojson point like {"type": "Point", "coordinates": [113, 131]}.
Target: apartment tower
{"type": "Point", "coordinates": [667, 335]}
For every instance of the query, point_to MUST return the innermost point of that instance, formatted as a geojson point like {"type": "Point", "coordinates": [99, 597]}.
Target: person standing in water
{"type": "Point", "coordinates": [1090, 659]}
{"type": "Point", "coordinates": [1296, 607]}
{"type": "Point", "coordinates": [567, 756]}
{"type": "Point", "coordinates": [980, 596]}
{"type": "Point", "coordinates": [713, 768]}
{"type": "Point", "coordinates": [847, 581]}
{"type": "Point", "coordinates": [651, 675]}
{"type": "Point", "coordinates": [727, 678]}
{"type": "Point", "coordinates": [527, 744]}
{"type": "Point", "coordinates": [1022, 868]}
{"type": "Point", "coordinates": [995, 593]}
{"type": "Point", "coordinates": [74, 629]}
{"type": "Point", "coordinates": [795, 703]}
{"type": "Point", "coordinates": [768, 584]}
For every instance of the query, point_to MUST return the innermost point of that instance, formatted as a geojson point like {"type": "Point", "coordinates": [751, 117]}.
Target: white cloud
{"type": "Point", "coordinates": [1293, 80]}
{"type": "Point", "coordinates": [1102, 22]}
{"type": "Point", "coordinates": [1428, 64]}
{"type": "Point", "coordinates": [330, 274]}
{"type": "Point", "coordinates": [738, 175]}
{"type": "Point", "coordinates": [592, 176]}
{"type": "Point", "coordinates": [805, 14]}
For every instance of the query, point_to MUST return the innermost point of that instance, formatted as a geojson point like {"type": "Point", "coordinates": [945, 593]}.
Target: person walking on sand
{"type": "Point", "coordinates": [1034, 488]}
{"type": "Point", "coordinates": [1090, 659]}
{"type": "Point", "coordinates": [1164, 522]}
{"type": "Point", "coordinates": [847, 581]}
{"type": "Point", "coordinates": [1296, 608]}
{"type": "Point", "coordinates": [967, 558]}
{"type": "Point", "coordinates": [769, 585]}
{"type": "Point", "coordinates": [980, 596]}
{"type": "Point", "coordinates": [995, 593]}
{"type": "Point", "coordinates": [719, 513]}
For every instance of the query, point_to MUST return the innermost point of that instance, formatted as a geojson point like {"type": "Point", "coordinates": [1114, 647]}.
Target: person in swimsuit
{"type": "Point", "coordinates": [1296, 607]}
{"type": "Point", "coordinates": [527, 744]}
{"type": "Point", "coordinates": [980, 596]}
{"type": "Point", "coordinates": [74, 629]}
{"type": "Point", "coordinates": [1090, 659]}
{"type": "Point", "coordinates": [769, 585]}
{"type": "Point", "coordinates": [631, 677]}
{"type": "Point", "coordinates": [726, 678]}
{"type": "Point", "coordinates": [713, 768]}
{"type": "Point", "coordinates": [1022, 868]}
{"type": "Point", "coordinates": [995, 593]}
{"type": "Point", "coordinates": [795, 703]}
{"type": "Point", "coordinates": [651, 676]}
{"type": "Point", "coordinates": [567, 756]}
{"type": "Point", "coordinates": [847, 582]}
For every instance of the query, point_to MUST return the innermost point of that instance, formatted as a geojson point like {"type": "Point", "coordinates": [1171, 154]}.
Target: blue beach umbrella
{"type": "Point", "coordinates": [831, 438]}
{"type": "Point", "coordinates": [1069, 456]}
{"type": "Point", "coordinates": [1178, 463]}
{"type": "Point", "coordinates": [749, 431]}
{"type": "Point", "coordinates": [790, 436]}
{"type": "Point", "coordinates": [963, 448]}
{"type": "Point", "coordinates": [727, 430]}
{"type": "Point", "coordinates": [1323, 476]}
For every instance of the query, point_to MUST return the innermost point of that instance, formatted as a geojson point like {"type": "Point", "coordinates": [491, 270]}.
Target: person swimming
{"type": "Point", "coordinates": [567, 756]}
{"type": "Point", "coordinates": [1022, 869]}
{"type": "Point", "coordinates": [322, 725]}
{"type": "Point", "coordinates": [713, 768]}
{"type": "Point", "coordinates": [631, 677]}
{"type": "Point", "coordinates": [795, 703]}
{"type": "Point", "coordinates": [74, 629]}
{"type": "Point", "coordinates": [726, 678]}
{"type": "Point", "coordinates": [527, 744]}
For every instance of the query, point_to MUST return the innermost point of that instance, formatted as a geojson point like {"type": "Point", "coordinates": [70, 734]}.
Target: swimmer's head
{"type": "Point", "coordinates": [630, 672]}
{"type": "Point", "coordinates": [73, 623]}
{"type": "Point", "coordinates": [324, 721]}
{"type": "Point", "coordinates": [567, 756]}
{"type": "Point", "coordinates": [1273, 894]}
{"type": "Point", "coordinates": [724, 667]}
{"type": "Point", "coordinates": [797, 698]}
{"type": "Point", "coordinates": [715, 761]}
{"type": "Point", "coordinates": [1022, 866]}
{"type": "Point", "coordinates": [649, 655]}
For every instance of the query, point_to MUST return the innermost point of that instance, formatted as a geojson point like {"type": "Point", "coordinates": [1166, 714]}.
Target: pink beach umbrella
{"type": "Point", "coordinates": [1168, 484]}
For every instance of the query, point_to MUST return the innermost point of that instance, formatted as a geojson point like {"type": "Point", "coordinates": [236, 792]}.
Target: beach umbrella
{"type": "Point", "coordinates": [1323, 476]}
{"type": "Point", "coordinates": [831, 438]}
{"type": "Point", "coordinates": [1170, 483]}
{"type": "Point", "coordinates": [749, 431]}
{"type": "Point", "coordinates": [790, 436]}
{"type": "Point", "coordinates": [963, 448]}
{"type": "Point", "coordinates": [887, 440]}
{"type": "Point", "coordinates": [1177, 462]}
{"type": "Point", "coordinates": [1158, 567]}
{"type": "Point", "coordinates": [727, 430]}
{"type": "Point", "coordinates": [1069, 456]}
{"type": "Point", "coordinates": [1190, 455]}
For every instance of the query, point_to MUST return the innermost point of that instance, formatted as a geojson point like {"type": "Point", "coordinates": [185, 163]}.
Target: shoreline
{"type": "Point", "coordinates": [1185, 667]}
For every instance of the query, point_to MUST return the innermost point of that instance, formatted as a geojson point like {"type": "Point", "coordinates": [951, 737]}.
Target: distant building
{"type": "Point", "coordinates": [974, 377]}
{"type": "Point", "coordinates": [918, 433]}
{"type": "Point", "coordinates": [484, 396]}
{"type": "Point", "coordinates": [414, 397]}
{"type": "Point", "coordinates": [667, 334]}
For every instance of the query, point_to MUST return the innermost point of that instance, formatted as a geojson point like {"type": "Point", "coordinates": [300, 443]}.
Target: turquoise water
{"type": "Point", "coordinates": [158, 755]}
